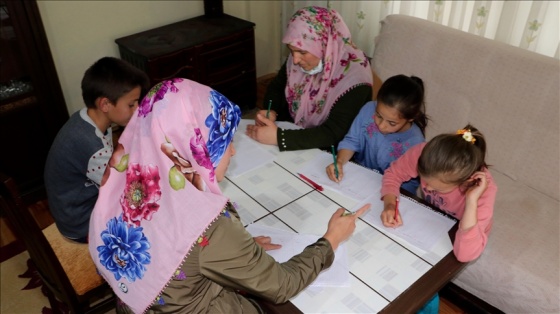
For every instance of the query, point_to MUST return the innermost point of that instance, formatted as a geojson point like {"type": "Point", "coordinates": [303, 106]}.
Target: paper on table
{"type": "Point", "coordinates": [358, 183]}
{"type": "Point", "coordinates": [294, 243]}
{"type": "Point", "coordinates": [422, 226]}
{"type": "Point", "coordinates": [247, 149]}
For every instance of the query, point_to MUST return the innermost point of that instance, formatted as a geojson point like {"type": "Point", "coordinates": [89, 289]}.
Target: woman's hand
{"type": "Point", "coordinates": [342, 226]}
{"type": "Point", "coordinates": [272, 115]}
{"type": "Point", "coordinates": [389, 210]}
{"type": "Point", "coordinates": [265, 133]}
{"type": "Point", "coordinates": [332, 174]}
{"type": "Point", "coordinates": [265, 243]}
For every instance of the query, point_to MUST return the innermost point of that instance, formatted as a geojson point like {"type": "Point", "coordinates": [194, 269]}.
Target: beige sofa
{"type": "Point", "coordinates": [512, 96]}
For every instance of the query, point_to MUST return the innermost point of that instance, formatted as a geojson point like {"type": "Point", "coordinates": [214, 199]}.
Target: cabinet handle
{"type": "Point", "coordinates": [174, 74]}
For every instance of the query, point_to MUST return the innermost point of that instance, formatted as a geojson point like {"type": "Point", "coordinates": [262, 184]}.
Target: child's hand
{"type": "Point", "coordinates": [478, 183]}
{"type": "Point", "coordinates": [331, 173]}
{"type": "Point", "coordinates": [388, 214]}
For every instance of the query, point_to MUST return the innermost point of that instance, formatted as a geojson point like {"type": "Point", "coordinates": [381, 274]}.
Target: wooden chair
{"type": "Point", "coordinates": [65, 267]}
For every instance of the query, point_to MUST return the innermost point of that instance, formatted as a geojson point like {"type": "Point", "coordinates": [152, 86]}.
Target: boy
{"type": "Point", "coordinates": [111, 90]}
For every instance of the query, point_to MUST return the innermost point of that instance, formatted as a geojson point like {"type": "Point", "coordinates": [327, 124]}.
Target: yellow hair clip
{"type": "Point", "coordinates": [467, 135]}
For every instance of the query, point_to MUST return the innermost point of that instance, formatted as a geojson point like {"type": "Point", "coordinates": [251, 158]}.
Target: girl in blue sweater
{"type": "Point", "coordinates": [385, 129]}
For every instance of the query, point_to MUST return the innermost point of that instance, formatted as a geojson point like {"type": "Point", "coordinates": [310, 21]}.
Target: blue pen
{"type": "Point", "coordinates": [269, 105]}
{"type": "Point", "coordinates": [334, 160]}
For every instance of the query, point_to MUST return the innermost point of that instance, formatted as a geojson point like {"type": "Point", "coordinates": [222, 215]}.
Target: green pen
{"type": "Point", "coordinates": [268, 111]}
{"type": "Point", "coordinates": [334, 160]}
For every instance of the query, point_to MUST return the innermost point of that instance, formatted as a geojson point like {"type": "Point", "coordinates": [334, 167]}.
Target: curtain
{"type": "Point", "coordinates": [531, 25]}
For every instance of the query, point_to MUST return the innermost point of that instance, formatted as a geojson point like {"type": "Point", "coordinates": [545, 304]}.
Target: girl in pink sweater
{"type": "Point", "coordinates": [453, 177]}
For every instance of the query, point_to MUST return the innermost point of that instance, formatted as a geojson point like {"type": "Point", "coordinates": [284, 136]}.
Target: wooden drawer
{"type": "Point", "coordinates": [241, 90]}
{"type": "Point", "coordinates": [218, 52]}
{"type": "Point", "coordinates": [227, 62]}
{"type": "Point", "coordinates": [178, 64]}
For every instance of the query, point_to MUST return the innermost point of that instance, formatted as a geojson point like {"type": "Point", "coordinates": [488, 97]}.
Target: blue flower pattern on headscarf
{"type": "Point", "coordinates": [222, 123]}
{"type": "Point", "coordinates": [125, 252]}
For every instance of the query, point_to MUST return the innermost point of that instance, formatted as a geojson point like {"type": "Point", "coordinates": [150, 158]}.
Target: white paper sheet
{"type": "Point", "coordinates": [422, 226]}
{"type": "Point", "coordinates": [294, 243]}
{"type": "Point", "coordinates": [358, 183]}
{"type": "Point", "coordinates": [247, 149]}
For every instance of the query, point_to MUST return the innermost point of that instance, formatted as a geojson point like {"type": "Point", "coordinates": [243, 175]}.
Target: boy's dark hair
{"type": "Point", "coordinates": [112, 78]}
{"type": "Point", "coordinates": [406, 94]}
{"type": "Point", "coordinates": [451, 158]}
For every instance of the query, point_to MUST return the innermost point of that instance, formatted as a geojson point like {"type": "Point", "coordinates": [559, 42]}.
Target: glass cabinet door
{"type": "Point", "coordinates": [32, 107]}
{"type": "Point", "coordinates": [14, 79]}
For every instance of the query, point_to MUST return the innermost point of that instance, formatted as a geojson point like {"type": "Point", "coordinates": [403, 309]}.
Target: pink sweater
{"type": "Point", "coordinates": [470, 243]}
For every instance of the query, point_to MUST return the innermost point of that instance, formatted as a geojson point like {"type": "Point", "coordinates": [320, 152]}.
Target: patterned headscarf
{"type": "Point", "coordinates": [159, 193]}
{"type": "Point", "coordinates": [323, 33]}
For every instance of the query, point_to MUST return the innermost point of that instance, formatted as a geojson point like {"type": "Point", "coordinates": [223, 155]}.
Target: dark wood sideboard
{"type": "Point", "coordinates": [218, 51]}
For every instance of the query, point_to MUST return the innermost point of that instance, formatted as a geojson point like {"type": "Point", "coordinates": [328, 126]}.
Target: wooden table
{"type": "Point", "coordinates": [388, 275]}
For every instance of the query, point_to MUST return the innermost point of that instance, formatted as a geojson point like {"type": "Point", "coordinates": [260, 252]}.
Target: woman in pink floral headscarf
{"type": "Point", "coordinates": [162, 233]}
{"type": "Point", "coordinates": [321, 87]}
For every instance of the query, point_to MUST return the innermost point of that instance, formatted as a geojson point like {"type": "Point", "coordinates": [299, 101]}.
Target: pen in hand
{"type": "Point", "coordinates": [334, 161]}
{"type": "Point", "coordinates": [396, 209]}
{"type": "Point", "coordinates": [268, 111]}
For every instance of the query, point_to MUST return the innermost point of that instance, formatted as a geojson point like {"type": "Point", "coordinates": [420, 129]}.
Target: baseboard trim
{"type": "Point", "coordinates": [466, 301]}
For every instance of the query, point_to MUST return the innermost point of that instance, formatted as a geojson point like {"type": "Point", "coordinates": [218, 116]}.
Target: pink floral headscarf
{"type": "Point", "coordinates": [159, 193]}
{"type": "Point", "coordinates": [323, 33]}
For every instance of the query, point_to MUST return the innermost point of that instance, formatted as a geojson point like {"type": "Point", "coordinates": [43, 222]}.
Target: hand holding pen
{"type": "Point", "coordinates": [332, 170]}
{"type": "Point", "coordinates": [390, 216]}
{"type": "Point", "coordinates": [267, 113]}
{"type": "Point", "coordinates": [343, 156]}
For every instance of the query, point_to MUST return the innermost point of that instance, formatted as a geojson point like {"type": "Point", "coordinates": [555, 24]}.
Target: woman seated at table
{"type": "Point", "coordinates": [321, 87]}
{"type": "Point", "coordinates": [162, 233]}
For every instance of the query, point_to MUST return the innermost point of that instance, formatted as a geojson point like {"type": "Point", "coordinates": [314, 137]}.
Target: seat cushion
{"type": "Point", "coordinates": [521, 259]}
{"type": "Point", "coordinates": [75, 260]}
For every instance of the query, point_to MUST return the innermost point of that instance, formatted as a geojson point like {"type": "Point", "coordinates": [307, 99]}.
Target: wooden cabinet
{"type": "Point", "coordinates": [32, 107]}
{"type": "Point", "coordinates": [216, 51]}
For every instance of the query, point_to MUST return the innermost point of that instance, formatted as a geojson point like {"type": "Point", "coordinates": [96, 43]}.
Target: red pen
{"type": "Point", "coordinates": [313, 184]}
{"type": "Point", "coordinates": [396, 208]}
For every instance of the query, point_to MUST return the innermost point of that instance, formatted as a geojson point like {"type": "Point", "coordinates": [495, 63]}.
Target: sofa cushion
{"type": "Point", "coordinates": [510, 94]}
{"type": "Point", "coordinates": [518, 271]}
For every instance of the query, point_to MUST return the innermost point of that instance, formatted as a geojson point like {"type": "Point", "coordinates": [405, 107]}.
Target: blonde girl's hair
{"type": "Point", "coordinates": [453, 158]}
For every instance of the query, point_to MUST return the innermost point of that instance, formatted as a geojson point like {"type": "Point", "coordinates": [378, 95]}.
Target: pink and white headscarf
{"type": "Point", "coordinates": [323, 33]}
{"type": "Point", "coordinates": [159, 192]}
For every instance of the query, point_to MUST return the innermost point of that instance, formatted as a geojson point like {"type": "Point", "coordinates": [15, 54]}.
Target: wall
{"type": "Point", "coordinates": [80, 32]}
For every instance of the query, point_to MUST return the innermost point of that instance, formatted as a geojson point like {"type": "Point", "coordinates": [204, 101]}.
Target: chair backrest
{"type": "Point", "coordinates": [42, 254]}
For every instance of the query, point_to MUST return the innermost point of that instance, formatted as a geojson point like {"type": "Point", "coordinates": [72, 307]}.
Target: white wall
{"type": "Point", "coordinates": [80, 32]}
